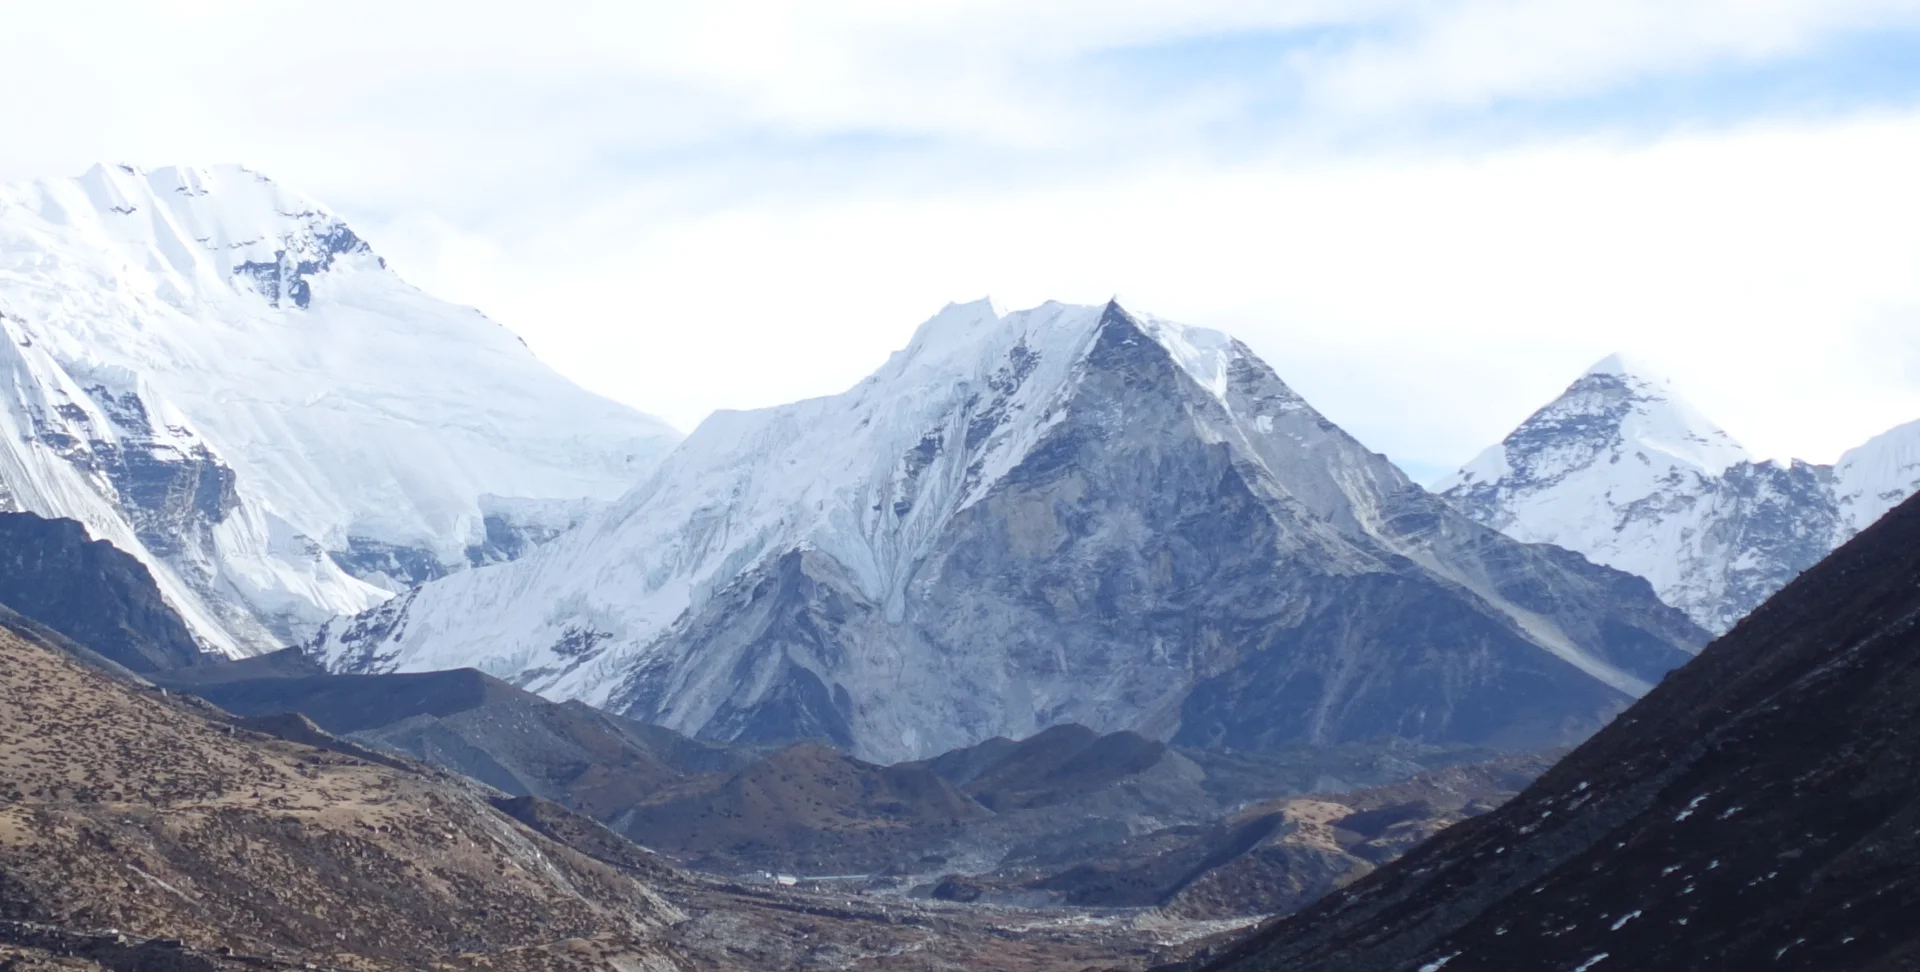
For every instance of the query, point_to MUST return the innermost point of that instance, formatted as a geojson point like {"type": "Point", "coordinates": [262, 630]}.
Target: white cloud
{"type": "Point", "coordinates": [1427, 304]}
{"type": "Point", "coordinates": [730, 204]}
{"type": "Point", "coordinates": [1478, 51]}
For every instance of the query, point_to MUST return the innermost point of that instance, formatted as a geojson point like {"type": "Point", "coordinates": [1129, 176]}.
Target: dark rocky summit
{"type": "Point", "coordinates": [90, 592]}
{"type": "Point", "coordinates": [1226, 586]}
{"type": "Point", "coordinates": [1758, 810]}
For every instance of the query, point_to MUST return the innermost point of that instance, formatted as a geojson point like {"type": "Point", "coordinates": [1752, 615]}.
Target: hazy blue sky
{"type": "Point", "coordinates": [1428, 216]}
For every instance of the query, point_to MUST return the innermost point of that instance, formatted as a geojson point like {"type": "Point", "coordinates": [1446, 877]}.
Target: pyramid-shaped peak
{"type": "Point", "coordinates": [1619, 406]}
{"type": "Point", "coordinates": [1622, 365]}
{"type": "Point", "coordinates": [984, 306]}
{"type": "Point", "coordinates": [1646, 412]}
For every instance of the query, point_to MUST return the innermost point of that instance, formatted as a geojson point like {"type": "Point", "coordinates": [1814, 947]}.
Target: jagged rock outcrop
{"type": "Point", "coordinates": [1068, 514]}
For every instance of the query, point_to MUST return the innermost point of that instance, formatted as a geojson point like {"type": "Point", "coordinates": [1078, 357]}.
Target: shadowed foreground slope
{"type": "Point", "coordinates": [1760, 809]}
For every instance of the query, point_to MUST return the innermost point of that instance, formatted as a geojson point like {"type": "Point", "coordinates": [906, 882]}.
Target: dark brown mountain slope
{"type": "Point", "coordinates": [128, 810]}
{"type": "Point", "coordinates": [1760, 809]}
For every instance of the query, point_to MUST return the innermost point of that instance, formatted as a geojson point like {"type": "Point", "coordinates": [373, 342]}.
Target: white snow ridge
{"type": "Point", "coordinates": [222, 378]}
{"type": "Point", "coordinates": [1621, 469]}
{"type": "Point", "coordinates": [1873, 478]}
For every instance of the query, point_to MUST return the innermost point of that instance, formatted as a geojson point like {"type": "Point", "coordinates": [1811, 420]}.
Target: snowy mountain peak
{"type": "Point", "coordinates": [1619, 467]}
{"type": "Point", "coordinates": [1617, 411]}
{"type": "Point", "coordinates": [1623, 365]}
{"type": "Point", "coordinates": [218, 375]}
{"type": "Point", "coordinates": [1623, 470]}
{"type": "Point", "coordinates": [195, 226]}
{"type": "Point", "coordinates": [1649, 413]}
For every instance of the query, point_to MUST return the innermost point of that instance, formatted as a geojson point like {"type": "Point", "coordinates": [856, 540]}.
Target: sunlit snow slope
{"type": "Point", "coordinates": [1623, 470]}
{"type": "Point", "coordinates": [220, 377]}
{"type": "Point", "coordinates": [1876, 476]}
{"type": "Point", "coordinates": [1064, 514]}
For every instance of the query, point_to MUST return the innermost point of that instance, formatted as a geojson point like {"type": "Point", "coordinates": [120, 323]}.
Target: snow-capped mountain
{"type": "Point", "coordinates": [1623, 470]}
{"type": "Point", "coordinates": [223, 379]}
{"type": "Point", "coordinates": [1065, 514]}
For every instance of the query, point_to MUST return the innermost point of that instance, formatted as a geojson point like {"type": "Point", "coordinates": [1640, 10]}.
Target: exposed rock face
{"type": "Point", "coordinates": [309, 246]}
{"type": "Point", "coordinates": [1757, 810]}
{"type": "Point", "coordinates": [513, 527]}
{"type": "Point", "coordinates": [90, 592]}
{"type": "Point", "coordinates": [221, 378]}
{"type": "Point", "coordinates": [1622, 470]}
{"type": "Point", "coordinates": [1069, 514]}
{"type": "Point", "coordinates": [509, 528]}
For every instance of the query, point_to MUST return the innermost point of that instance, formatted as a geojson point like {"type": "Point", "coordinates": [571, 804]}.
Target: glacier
{"type": "Point", "coordinates": [219, 376]}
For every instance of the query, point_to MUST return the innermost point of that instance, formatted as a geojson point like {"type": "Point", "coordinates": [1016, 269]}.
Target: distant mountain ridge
{"type": "Point", "coordinates": [1620, 468]}
{"type": "Point", "coordinates": [1067, 815]}
{"type": "Point", "coordinates": [1065, 514]}
{"type": "Point", "coordinates": [220, 377]}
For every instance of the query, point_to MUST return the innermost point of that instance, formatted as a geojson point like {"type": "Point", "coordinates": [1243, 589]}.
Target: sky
{"type": "Point", "coordinates": [1428, 215]}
